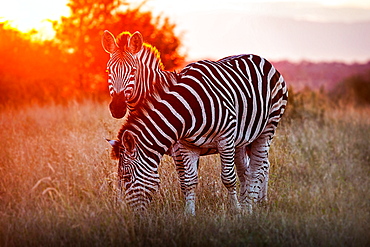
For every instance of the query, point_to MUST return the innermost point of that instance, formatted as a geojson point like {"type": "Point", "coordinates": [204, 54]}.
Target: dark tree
{"type": "Point", "coordinates": [355, 89]}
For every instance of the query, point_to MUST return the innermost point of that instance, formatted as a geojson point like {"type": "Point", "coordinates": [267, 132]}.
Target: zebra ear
{"type": "Point", "coordinates": [135, 42]}
{"type": "Point", "coordinates": [129, 142]}
{"type": "Point", "coordinates": [115, 149]}
{"type": "Point", "coordinates": [108, 42]}
{"type": "Point", "coordinates": [114, 143]}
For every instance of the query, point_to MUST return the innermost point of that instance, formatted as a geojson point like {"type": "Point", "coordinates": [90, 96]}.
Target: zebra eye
{"type": "Point", "coordinates": [107, 71]}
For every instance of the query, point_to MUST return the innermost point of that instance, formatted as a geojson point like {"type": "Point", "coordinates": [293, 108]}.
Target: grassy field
{"type": "Point", "coordinates": [57, 185]}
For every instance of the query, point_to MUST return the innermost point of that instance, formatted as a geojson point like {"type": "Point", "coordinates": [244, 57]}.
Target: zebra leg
{"type": "Point", "coordinates": [262, 195]}
{"type": "Point", "coordinates": [228, 175]}
{"type": "Point", "coordinates": [191, 161]}
{"type": "Point", "coordinates": [179, 165]}
{"type": "Point", "coordinates": [259, 168]}
{"type": "Point", "coordinates": [242, 163]}
{"type": "Point", "coordinates": [186, 162]}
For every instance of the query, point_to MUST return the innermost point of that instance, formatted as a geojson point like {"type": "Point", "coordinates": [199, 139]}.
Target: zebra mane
{"type": "Point", "coordinates": [155, 53]}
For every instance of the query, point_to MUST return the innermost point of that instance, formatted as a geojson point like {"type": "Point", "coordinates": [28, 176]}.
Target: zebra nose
{"type": "Point", "coordinates": [118, 105]}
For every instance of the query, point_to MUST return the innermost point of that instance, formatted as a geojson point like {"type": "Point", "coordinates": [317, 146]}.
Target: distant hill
{"type": "Point", "coordinates": [318, 75]}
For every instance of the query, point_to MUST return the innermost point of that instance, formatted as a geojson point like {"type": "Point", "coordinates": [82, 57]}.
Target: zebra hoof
{"type": "Point", "coordinates": [190, 208]}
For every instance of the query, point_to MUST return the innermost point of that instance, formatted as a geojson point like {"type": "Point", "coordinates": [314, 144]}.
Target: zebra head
{"type": "Point", "coordinates": [138, 179]}
{"type": "Point", "coordinates": [121, 68]}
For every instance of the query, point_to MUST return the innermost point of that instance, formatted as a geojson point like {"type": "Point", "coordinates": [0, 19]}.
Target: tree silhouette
{"type": "Point", "coordinates": [72, 66]}
{"type": "Point", "coordinates": [355, 89]}
{"type": "Point", "coordinates": [30, 72]}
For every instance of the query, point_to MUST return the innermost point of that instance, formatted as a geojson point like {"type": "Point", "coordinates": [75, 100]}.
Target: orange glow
{"type": "Point", "coordinates": [35, 15]}
{"type": "Point", "coordinates": [34, 69]}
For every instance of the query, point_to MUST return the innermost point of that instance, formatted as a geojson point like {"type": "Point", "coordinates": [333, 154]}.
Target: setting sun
{"type": "Point", "coordinates": [26, 15]}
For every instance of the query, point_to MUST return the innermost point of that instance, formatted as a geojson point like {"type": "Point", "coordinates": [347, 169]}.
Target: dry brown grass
{"type": "Point", "coordinates": [57, 185]}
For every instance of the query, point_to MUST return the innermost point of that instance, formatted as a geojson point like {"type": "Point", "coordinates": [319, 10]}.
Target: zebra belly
{"type": "Point", "coordinates": [214, 144]}
{"type": "Point", "coordinates": [189, 144]}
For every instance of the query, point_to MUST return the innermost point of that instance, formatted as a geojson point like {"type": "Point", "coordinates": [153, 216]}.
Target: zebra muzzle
{"type": "Point", "coordinates": [118, 105]}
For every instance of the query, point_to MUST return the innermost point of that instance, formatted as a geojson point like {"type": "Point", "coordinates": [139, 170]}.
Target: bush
{"type": "Point", "coordinates": [354, 89]}
{"type": "Point", "coordinates": [306, 104]}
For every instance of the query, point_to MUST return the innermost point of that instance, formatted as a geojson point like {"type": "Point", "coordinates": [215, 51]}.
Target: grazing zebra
{"type": "Point", "coordinates": [229, 105]}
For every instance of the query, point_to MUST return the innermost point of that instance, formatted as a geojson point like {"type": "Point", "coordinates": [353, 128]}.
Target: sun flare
{"type": "Point", "coordinates": [36, 15]}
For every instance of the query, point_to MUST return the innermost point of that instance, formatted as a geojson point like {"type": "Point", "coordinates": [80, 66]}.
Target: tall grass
{"type": "Point", "coordinates": [57, 185]}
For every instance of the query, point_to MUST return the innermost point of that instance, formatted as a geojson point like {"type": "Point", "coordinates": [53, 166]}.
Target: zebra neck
{"type": "Point", "coordinates": [149, 76]}
{"type": "Point", "coordinates": [157, 122]}
{"type": "Point", "coordinates": [145, 88]}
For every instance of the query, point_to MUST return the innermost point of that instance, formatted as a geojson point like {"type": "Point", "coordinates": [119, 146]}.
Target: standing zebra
{"type": "Point", "coordinates": [132, 69]}
{"type": "Point", "coordinates": [227, 105]}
